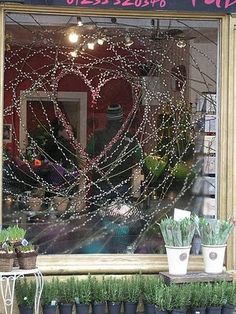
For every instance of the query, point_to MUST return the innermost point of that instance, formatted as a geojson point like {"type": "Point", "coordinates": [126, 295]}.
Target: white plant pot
{"type": "Point", "coordinates": [178, 259]}
{"type": "Point", "coordinates": [213, 256]}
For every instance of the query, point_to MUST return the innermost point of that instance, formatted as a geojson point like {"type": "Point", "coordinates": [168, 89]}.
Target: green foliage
{"type": "Point", "coordinates": [15, 233]}
{"type": "Point", "coordinates": [177, 233]}
{"type": "Point", "coordinates": [50, 292]}
{"type": "Point", "coordinates": [25, 292]}
{"type": "Point", "coordinates": [26, 248]}
{"type": "Point", "coordinates": [83, 291]}
{"type": "Point", "coordinates": [199, 294]}
{"type": "Point", "coordinates": [229, 291]}
{"type": "Point", "coordinates": [132, 288]}
{"type": "Point", "coordinates": [181, 296]}
{"type": "Point", "coordinates": [149, 287]}
{"type": "Point", "coordinates": [162, 297]}
{"type": "Point", "coordinates": [3, 236]}
{"type": "Point", "coordinates": [215, 294]}
{"type": "Point", "coordinates": [115, 289]}
{"type": "Point", "coordinates": [167, 302]}
{"type": "Point", "coordinates": [156, 164]}
{"type": "Point", "coordinates": [214, 232]}
{"type": "Point", "coordinates": [66, 291]}
{"type": "Point", "coordinates": [99, 291]}
{"type": "Point", "coordinates": [7, 248]}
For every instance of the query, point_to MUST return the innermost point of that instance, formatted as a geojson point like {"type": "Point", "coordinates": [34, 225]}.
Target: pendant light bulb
{"type": "Point", "coordinates": [79, 21]}
{"type": "Point", "coordinates": [73, 37]}
{"type": "Point", "coordinates": [91, 45]}
{"type": "Point", "coordinates": [181, 43]}
{"type": "Point", "coordinates": [74, 53]}
{"type": "Point", "coordinates": [100, 41]}
{"type": "Point", "coordinates": [128, 41]}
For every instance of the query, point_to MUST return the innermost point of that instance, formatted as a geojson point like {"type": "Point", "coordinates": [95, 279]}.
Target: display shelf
{"type": "Point", "coordinates": [7, 285]}
{"type": "Point", "coordinates": [196, 277]}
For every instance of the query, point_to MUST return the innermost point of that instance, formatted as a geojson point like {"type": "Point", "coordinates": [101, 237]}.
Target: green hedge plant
{"type": "Point", "coordinates": [215, 294]}
{"type": "Point", "coordinates": [199, 295]}
{"type": "Point", "coordinates": [50, 293]}
{"type": "Point", "coordinates": [83, 291]}
{"type": "Point", "coordinates": [181, 296]}
{"type": "Point", "coordinates": [115, 289]}
{"type": "Point", "coordinates": [25, 292]}
{"type": "Point", "coordinates": [149, 287]}
{"type": "Point", "coordinates": [132, 288]}
{"type": "Point", "coordinates": [66, 291]}
{"type": "Point", "coordinates": [99, 291]}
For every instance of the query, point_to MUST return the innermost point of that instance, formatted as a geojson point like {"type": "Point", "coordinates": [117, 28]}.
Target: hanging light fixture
{"type": "Point", "coordinates": [181, 43]}
{"type": "Point", "coordinates": [73, 37]}
{"type": "Point", "coordinates": [74, 53]}
{"type": "Point", "coordinates": [91, 45]}
{"type": "Point", "coordinates": [79, 21]}
{"type": "Point", "coordinates": [101, 40]}
{"type": "Point", "coordinates": [128, 41]}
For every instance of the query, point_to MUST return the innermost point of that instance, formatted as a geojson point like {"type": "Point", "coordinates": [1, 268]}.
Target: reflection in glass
{"type": "Point", "coordinates": [108, 131]}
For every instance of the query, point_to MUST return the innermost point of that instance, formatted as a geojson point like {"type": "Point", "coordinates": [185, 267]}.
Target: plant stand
{"type": "Point", "coordinates": [7, 285]}
{"type": "Point", "coordinates": [196, 277]}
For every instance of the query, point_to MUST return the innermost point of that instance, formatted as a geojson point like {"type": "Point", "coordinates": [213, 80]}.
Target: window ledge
{"type": "Point", "coordinates": [109, 263]}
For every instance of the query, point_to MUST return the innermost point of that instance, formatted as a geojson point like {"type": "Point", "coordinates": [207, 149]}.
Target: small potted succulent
{"type": "Point", "coordinates": [27, 256]}
{"type": "Point", "coordinates": [214, 235]}
{"type": "Point", "coordinates": [178, 236]}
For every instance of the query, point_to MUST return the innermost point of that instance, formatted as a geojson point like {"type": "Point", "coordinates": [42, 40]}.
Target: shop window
{"type": "Point", "coordinates": [110, 125]}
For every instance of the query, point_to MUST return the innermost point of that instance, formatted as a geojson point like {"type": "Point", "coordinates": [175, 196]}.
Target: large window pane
{"type": "Point", "coordinates": [109, 125]}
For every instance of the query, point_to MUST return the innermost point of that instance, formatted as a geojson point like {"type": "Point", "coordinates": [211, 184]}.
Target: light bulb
{"type": "Point", "coordinates": [128, 41]}
{"type": "Point", "coordinates": [74, 53]}
{"type": "Point", "coordinates": [91, 45]}
{"type": "Point", "coordinates": [73, 37]}
{"type": "Point", "coordinates": [100, 41]}
{"type": "Point", "coordinates": [181, 44]}
{"type": "Point", "coordinates": [79, 21]}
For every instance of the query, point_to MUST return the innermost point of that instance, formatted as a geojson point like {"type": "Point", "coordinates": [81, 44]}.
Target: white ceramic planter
{"type": "Point", "coordinates": [213, 256]}
{"type": "Point", "coordinates": [178, 259]}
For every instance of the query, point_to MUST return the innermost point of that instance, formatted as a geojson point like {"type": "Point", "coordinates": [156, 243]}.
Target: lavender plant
{"type": "Point", "coordinates": [177, 233]}
{"type": "Point", "coordinates": [214, 232]}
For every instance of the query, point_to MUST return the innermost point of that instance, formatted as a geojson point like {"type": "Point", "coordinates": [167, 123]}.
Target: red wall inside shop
{"type": "Point", "coordinates": [115, 91]}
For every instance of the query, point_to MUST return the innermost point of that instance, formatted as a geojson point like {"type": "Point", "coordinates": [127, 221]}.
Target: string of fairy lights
{"type": "Point", "coordinates": [165, 130]}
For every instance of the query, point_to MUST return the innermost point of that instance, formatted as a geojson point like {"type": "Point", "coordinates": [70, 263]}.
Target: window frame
{"type": "Point", "coordinates": [152, 263]}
